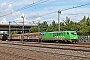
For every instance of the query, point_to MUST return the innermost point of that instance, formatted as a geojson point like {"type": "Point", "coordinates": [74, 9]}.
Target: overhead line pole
{"type": "Point", "coordinates": [9, 30]}
{"type": "Point", "coordinates": [38, 26]}
{"type": "Point", "coordinates": [23, 29]}
{"type": "Point", "coordinates": [59, 12]}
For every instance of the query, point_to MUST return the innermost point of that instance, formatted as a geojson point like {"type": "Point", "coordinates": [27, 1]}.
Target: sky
{"type": "Point", "coordinates": [35, 11]}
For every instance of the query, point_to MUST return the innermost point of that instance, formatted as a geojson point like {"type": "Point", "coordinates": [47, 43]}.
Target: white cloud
{"type": "Point", "coordinates": [4, 21]}
{"type": "Point", "coordinates": [16, 13]}
{"type": "Point", "coordinates": [10, 6]}
{"type": "Point", "coordinates": [50, 8]}
{"type": "Point", "coordinates": [7, 10]}
{"type": "Point", "coordinates": [18, 20]}
{"type": "Point", "coordinates": [24, 2]}
{"type": "Point", "coordinates": [73, 13]}
{"type": "Point", "coordinates": [38, 18]}
{"type": "Point", "coordinates": [3, 4]}
{"type": "Point", "coordinates": [76, 14]}
{"type": "Point", "coordinates": [34, 15]}
{"type": "Point", "coordinates": [27, 22]}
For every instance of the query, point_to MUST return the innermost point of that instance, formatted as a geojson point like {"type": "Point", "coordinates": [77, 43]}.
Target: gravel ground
{"type": "Point", "coordinates": [7, 53]}
{"type": "Point", "coordinates": [47, 50]}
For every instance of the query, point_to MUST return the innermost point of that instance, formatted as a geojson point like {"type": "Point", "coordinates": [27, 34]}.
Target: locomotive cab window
{"type": "Point", "coordinates": [55, 34]}
{"type": "Point", "coordinates": [67, 33]}
{"type": "Point", "coordinates": [74, 33]}
{"type": "Point", "coordinates": [59, 34]}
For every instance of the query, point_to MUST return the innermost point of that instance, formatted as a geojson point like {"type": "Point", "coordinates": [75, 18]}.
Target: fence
{"type": "Point", "coordinates": [84, 38]}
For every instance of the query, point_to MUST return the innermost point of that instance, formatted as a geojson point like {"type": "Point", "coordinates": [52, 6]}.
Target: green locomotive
{"type": "Point", "coordinates": [66, 36]}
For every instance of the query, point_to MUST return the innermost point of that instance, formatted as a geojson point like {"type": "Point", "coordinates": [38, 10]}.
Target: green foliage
{"type": "Point", "coordinates": [88, 21]}
{"type": "Point", "coordinates": [52, 27]}
{"type": "Point", "coordinates": [33, 29]}
{"type": "Point", "coordinates": [82, 27]}
{"type": "Point", "coordinates": [43, 26]}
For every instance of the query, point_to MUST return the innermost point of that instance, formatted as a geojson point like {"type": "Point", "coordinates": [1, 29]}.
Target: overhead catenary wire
{"type": "Point", "coordinates": [75, 7]}
{"type": "Point", "coordinates": [75, 14]}
{"type": "Point", "coordinates": [18, 25]}
{"type": "Point", "coordinates": [64, 14]}
{"type": "Point", "coordinates": [9, 3]}
{"type": "Point", "coordinates": [65, 9]}
{"type": "Point", "coordinates": [28, 6]}
{"type": "Point", "coordinates": [12, 1]}
{"type": "Point", "coordinates": [69, 8]}
{"type": "Point", "coordinates": [31, 5]}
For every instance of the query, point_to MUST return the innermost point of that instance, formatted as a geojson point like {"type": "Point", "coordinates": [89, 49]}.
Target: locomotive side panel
{"type": "Point", "coordinates": [66, 36]}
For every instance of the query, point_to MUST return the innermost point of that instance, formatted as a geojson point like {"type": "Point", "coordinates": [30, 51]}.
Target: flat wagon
{"type": "Point", "coordinates": [27, 36]}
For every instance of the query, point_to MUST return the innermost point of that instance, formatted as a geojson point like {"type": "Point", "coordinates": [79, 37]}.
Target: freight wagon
{"type": "Point", "coordinates": [65, 36]}
{"type": "Point", "coordinates": [27, 36]}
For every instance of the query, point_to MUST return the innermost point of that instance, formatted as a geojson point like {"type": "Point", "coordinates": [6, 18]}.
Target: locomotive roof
{"type": "Point", "coordinates": [59, 31]}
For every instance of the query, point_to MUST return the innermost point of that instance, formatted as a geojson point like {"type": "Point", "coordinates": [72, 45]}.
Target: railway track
{"type": "Point", "coordinates": [60, 44]}
{"type": "Point", "coordinates": [84, 43]}
{"type": "Point", "coordinates": [75, 47]}
{"type": "Point", "coordinates": [87, 45]}
{"type": "Point", "coordinates": [57, 49]}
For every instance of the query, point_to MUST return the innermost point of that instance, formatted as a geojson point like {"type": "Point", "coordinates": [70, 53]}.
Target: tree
{"type": "Point", "coordinates": [49, 29]}
{"type": "Point", "coordinates": [83, 26]}
{"type": "Point", "coordinates": [88, 21]}
{"type": "Point", "coordinates": [67, 23]}
{"type": "Point", "coordinates": [53, 26]}
{"type": "Point", "coordinates": [43, 26]}
{"type": "Point", "coordinates": [62, 28]}
{"type": "Point", "coordinates": [33, 29]}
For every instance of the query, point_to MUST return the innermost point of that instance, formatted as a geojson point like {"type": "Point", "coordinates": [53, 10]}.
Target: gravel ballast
{"type": "Point", "coordinates": [24, 53]}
